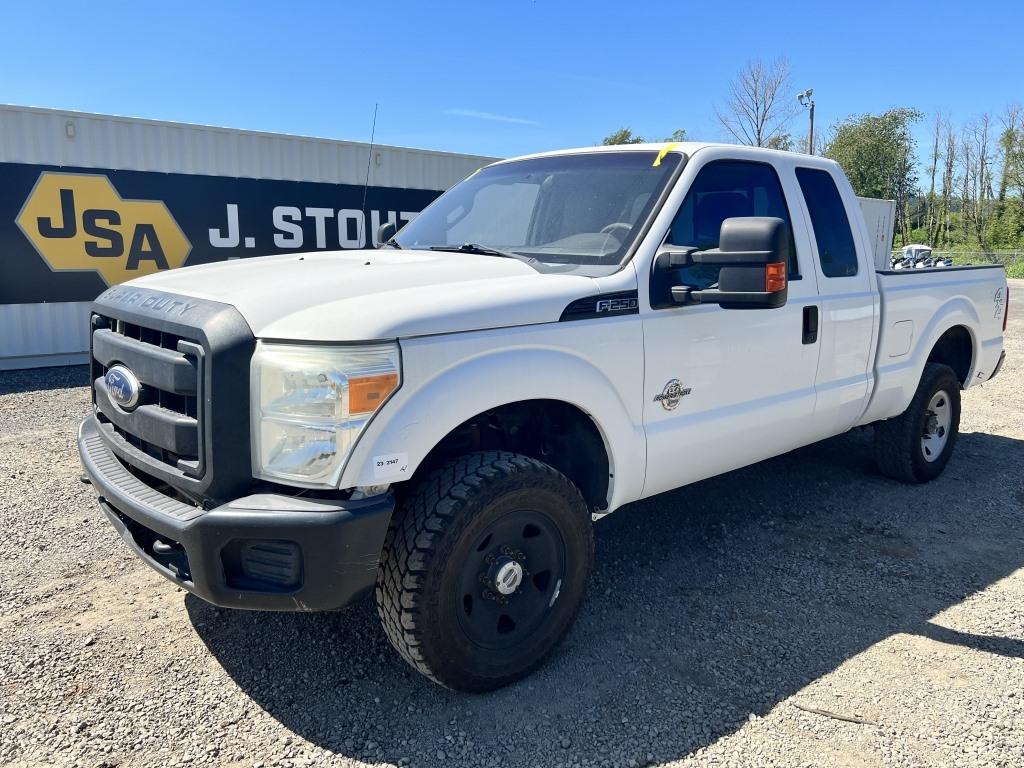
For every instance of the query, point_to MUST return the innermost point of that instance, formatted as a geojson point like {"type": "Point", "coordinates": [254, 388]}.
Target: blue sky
{"type": "Point", "coordinates": [502, 78]}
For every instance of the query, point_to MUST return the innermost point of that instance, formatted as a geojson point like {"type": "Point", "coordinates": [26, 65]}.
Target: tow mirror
{"type": "Point", "coordinates": [752, 255]}
{"type": "Point", "coordinates": [385, 232]}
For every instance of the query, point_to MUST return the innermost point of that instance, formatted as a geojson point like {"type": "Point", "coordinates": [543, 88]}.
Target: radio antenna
{"type": "Point", "coordinates": [369, 157]}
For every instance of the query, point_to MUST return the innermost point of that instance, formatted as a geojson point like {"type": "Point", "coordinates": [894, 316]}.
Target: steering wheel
{"type": "Point", "coordinates": [607, 230]}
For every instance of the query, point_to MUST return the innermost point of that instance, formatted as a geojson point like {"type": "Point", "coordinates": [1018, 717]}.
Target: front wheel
{"type": "Point", "coordinates": [916, 445]}
{"type": "Point", "coordinates": [484, 568]}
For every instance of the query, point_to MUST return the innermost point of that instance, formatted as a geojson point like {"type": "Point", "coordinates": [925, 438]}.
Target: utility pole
{"type": "Point", "coordinates": [808, 103]}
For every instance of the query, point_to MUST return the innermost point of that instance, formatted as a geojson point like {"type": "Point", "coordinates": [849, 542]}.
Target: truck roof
{"type": "Point", "coordinates": [686, 147]}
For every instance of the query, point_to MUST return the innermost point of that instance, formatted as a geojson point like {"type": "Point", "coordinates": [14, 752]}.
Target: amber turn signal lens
{"type": "Point", "coordinates": [775, 276]}
{"type": "Point", "coordinates": [366, 393]}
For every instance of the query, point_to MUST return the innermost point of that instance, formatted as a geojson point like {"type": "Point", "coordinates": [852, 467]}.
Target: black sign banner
{"type": "Point", "coordinates": [66, 234]}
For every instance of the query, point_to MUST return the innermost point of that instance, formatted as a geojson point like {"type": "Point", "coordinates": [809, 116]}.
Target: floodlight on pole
{"type": "Point", "coordinates": [808, 103]}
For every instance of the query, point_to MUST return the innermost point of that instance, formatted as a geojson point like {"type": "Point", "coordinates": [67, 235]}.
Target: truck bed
{"type": "Point", "coordinates": [917, 307]}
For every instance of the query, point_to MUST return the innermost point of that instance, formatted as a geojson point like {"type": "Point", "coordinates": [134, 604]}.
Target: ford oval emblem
{"type": "Point", "coordinates": [123, 387]}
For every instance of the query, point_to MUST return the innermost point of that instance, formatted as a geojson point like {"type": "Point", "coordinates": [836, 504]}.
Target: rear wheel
{"type": "Point", "coordinates": [916, 445]}
{"type": "Point", "coordinates": [484, 569]}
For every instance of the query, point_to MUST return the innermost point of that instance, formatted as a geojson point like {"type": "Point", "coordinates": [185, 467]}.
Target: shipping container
{"type": "Point", "coordinates": [88, 201]}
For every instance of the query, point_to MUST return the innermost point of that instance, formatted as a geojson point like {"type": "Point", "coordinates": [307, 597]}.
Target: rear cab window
{"type": "Point", "coordinates": [837, 251]}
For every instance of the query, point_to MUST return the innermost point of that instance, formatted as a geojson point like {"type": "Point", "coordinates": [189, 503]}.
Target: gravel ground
{"type": "Point", "coordinates": [719, 613]}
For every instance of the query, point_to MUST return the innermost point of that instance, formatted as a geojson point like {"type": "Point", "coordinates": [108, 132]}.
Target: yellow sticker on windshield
{"type": "Point", "coordinates": [661, 155]}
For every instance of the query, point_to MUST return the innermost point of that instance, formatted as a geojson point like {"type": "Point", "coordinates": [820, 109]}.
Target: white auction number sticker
{"type": "Point", "coordinates": [391, 465]}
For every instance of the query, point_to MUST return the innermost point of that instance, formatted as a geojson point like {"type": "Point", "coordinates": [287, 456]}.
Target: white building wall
{"type": "Point", "coordinates": [37, 335]}
{"type": "Point", "coordinates": [33, 135]}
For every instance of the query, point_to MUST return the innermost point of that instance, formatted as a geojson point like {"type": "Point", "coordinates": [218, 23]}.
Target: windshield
{"type": "Point", "coordinates": [577, 210]}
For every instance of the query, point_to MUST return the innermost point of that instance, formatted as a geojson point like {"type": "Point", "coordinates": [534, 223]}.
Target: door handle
{"type": "Point", "coordinates": [810, 324]}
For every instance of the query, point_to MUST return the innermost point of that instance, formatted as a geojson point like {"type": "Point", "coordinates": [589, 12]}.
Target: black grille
{"type": "Point", "coordinates": [190, 430]}
{"type": "Point", "coordinates": [165, 425]}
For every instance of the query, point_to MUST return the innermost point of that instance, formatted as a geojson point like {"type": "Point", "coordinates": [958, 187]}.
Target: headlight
{"type": "Point", "coordinates": [309, 404]}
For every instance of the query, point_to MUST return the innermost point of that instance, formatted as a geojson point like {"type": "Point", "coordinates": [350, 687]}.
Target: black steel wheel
{"type": "Point", "coordinates": [484, 568]}
{"type": "Point", "coordinates": [511, 579]}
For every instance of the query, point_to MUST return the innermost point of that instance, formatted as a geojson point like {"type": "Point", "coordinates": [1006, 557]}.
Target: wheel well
{"type": "Point", "coordinates": [552, 431]}
{"type": "Point", "coordinates": [955, 349]}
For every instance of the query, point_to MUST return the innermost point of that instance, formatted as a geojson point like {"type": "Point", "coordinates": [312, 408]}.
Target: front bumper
{"type": "Point", "coordinates": [265, 551]}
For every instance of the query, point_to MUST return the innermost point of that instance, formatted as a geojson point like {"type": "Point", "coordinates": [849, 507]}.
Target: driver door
{"type": "Point", "coordinates": [723, 387]}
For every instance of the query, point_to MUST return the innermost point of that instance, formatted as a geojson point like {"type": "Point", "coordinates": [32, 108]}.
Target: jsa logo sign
{"type": "Point", "coordinates": [79, 221]}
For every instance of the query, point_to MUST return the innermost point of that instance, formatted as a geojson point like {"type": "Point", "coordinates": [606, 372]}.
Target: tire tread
{"type": "Point", "coordinates": [414, 535]}
{"type": "Point", "coordinates": [897, 439]}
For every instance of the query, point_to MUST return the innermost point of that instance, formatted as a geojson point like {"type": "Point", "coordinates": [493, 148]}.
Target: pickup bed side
{"type": "Point", "coordinates": [952, 315]}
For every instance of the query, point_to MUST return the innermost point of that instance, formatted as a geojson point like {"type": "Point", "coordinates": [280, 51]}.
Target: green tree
{"type": "Point", "coordinates": [1006, 227]}
{"type": "Point", "coordinates": [783, 141]}
{"type": "Point", "coordinates": [877, 154]}
{"type": "Point", "coordinates": [626, 136]}
{"type": "Point", "coordinates": [622, 136]}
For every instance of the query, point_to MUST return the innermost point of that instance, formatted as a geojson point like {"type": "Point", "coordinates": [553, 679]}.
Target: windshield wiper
{"type": "Point", "coordinates": [393, 243]}
{"type": "Point", "coordinates": [483, 250]}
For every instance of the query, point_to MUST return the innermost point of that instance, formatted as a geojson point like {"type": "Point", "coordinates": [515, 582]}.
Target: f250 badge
{"type": "Point", "coordinates": [670, 396]}
{"type": "Point", "coordinates": [616, 305]}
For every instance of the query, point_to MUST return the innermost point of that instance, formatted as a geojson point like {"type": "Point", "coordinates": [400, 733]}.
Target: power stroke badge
{"type": "Point", "coordinates": [670, 396]}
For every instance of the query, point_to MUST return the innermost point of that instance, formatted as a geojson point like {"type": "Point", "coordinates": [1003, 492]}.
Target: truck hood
{"type": "Point", "coordinates": [378, 294]}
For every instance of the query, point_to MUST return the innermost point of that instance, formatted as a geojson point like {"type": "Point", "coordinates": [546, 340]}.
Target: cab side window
{"type": "Point", "coordinates": [724, 189]}
{"type": "Point", "coordinates": [836, 250]}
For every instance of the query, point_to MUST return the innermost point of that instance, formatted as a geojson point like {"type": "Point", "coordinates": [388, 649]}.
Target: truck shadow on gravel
{"type": "Point", "coordinates": [44, 380]}
{"type": "Point", "coordinates": [709, 604]}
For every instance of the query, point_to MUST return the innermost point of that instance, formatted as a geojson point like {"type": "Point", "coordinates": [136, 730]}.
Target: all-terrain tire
{"type": "Point", "coordinates": [448, 528]}
{"type": "Point", "coordinates": [899, 449]}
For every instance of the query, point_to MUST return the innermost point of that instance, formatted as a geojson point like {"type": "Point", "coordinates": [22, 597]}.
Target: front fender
{"type": "Point", "coordinates": [445, 383]}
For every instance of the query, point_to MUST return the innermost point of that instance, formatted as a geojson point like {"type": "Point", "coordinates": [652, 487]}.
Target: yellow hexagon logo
{"type": "Point", "coordinates": [78, 221]}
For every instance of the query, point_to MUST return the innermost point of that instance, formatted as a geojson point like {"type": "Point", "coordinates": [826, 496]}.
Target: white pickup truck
{"type": "Point", "coordinates": [441, 419]}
